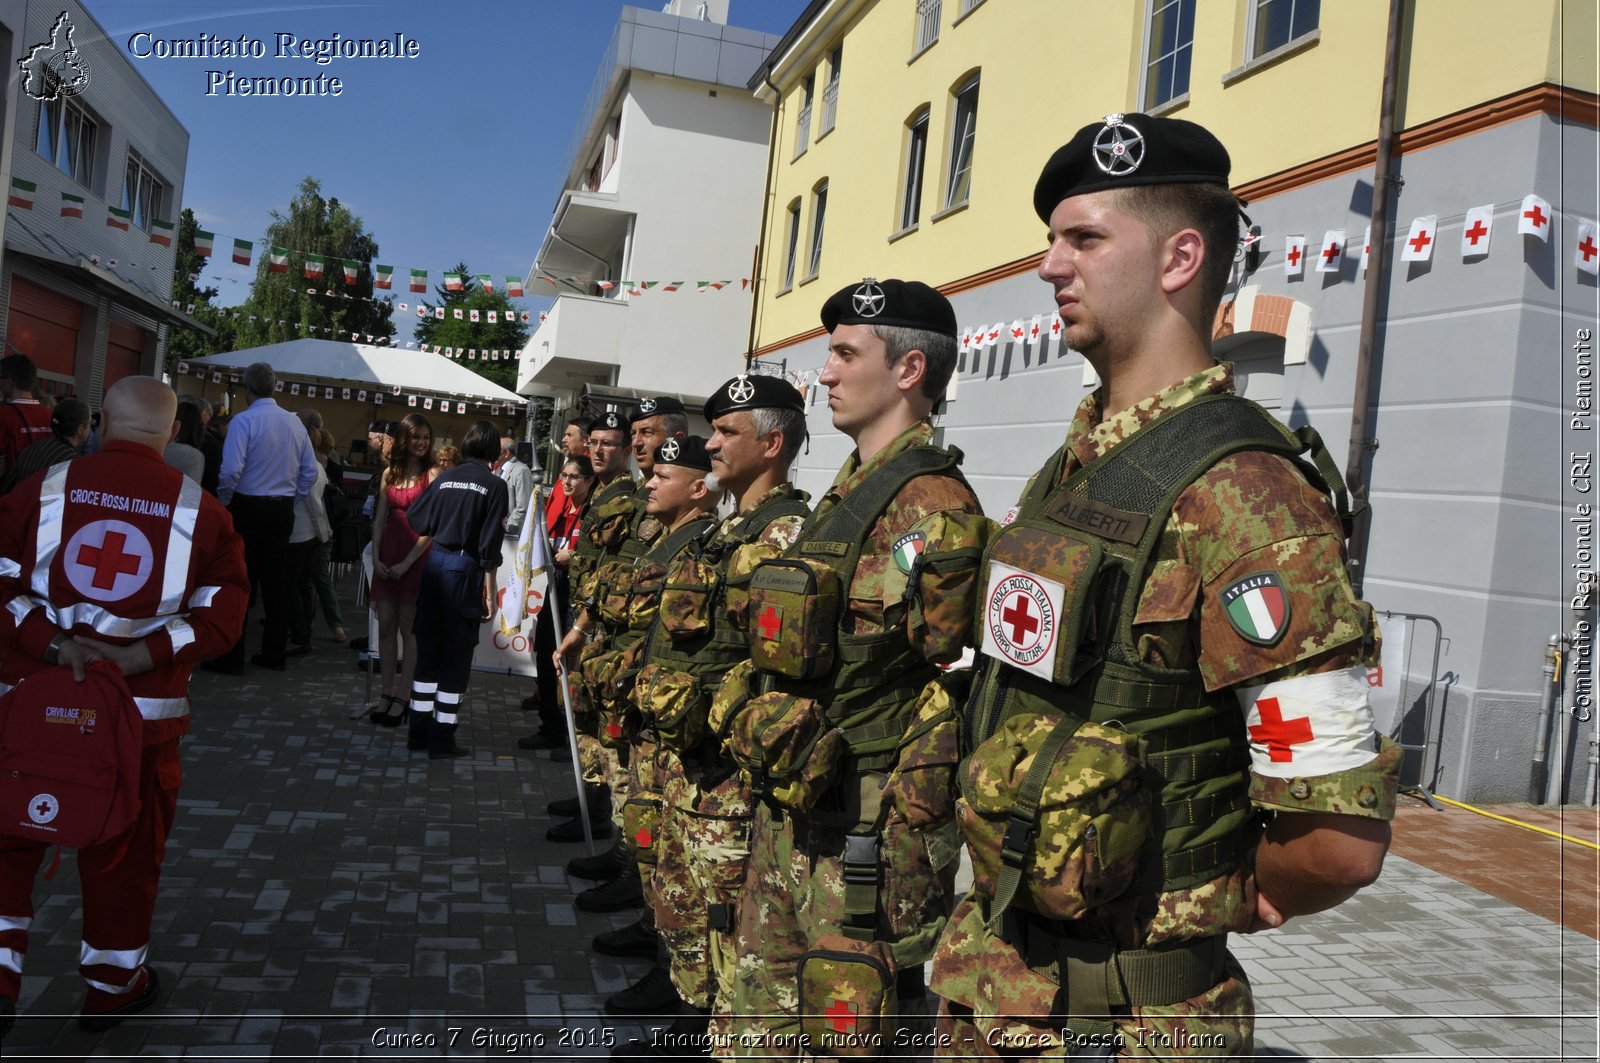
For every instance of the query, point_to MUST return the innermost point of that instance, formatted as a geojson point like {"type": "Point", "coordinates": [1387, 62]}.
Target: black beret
{"type": "Point", "coordinates": [655, 407]}
{"type": "Point", "coordinates": [391, 428]}
{"type": "Point", "coordinates": [753, 393]}
{"type": "Point", "coordinates": [907, 304]}
{"type": "Point", "coordinates": [377, 427]}
{"type": "Point", "coordinates": [1124, 150]}
{"type": "Point", "coordinates": [687, 451]}
{"type": "Point", "coordinates": [608, 421]}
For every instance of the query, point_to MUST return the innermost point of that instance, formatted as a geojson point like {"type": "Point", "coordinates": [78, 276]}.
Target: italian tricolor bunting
{"type": "Point", "coordinates": [21, 193]}
{"type": "Point", "coordinates": [277, 259]}
{"type": "Point", "coordinates": [203, 242]}
{"type": "Point", "coordinates": [419, 280]}
{"type": "Point", "coordinates": [351, 268]}
{"type": "Point", "coordinates": [71, 205]}
{"type": "Point", "coordinates": [118, 219]}
{"type": "Point", "coordinates": [161, 233]}
{"type": "Point", "coordinates": [314, 267]}
{"type": "Point", "coordinates": [382, 276]}
{"type": "Point", "coordinates": [452, 282]}
{"type": "Point", "coordinates": [486, 282]}
{"type": "Point", "coordinates": [514, 287]}
{"type": "Point", "coordinates": [241, 252]}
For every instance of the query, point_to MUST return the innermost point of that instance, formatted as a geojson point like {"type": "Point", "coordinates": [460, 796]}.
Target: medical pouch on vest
{"type": "Point", "coordinates": [673, 704]}
{"type": "Point", "coordinates": [794, 616]}
{"type": "Point", "coordinates": [786, 750]}
{"type": "Point", "coordinates": [69, 757]}
{"type": "Point", "coordinates": [641, 825]}
{"type": "Point", "coordinates": [687, 597]}
{"type": "Point", "coordinates": [1054, 814]}
{"type": "Point", "coordinates": [1063, 584]}
{"type": "Point", "coordinates": [848, 1002]}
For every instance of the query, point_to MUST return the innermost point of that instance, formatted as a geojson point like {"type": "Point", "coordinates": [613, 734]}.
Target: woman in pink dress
{"type": "Point", "coordinates": [398, 564]}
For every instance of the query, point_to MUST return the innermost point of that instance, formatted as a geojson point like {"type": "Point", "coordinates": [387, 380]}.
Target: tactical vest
{"type": "Point", "coordinates": [692, 642]}
{"type": "Point", "coordinates": [866, 685]}
{"type": "Point", "coordinates": [601, 536]}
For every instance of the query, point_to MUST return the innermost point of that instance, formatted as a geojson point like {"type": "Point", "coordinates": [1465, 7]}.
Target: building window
{"type": "Point", "coordinates": [1171, 42]}
{"type": "Point", "coordinates": [819, 211]}
{"type": "Point", "coordinates": [916, 159]}
{"type": "Point", "coordinates": [143, 193]}
{"type": "Point", "coordinates": [1274, 23]}
{"type": "Point", "coordinates": [66, 137]}
{"type": "Point", "coordinates": [794, 245]}
{"type": "Point", "coordinates": [802, 129]}
{"type": "Point", "coordinates": [963, 131]}
{"type": "Point", "coordinates": [968, 5]}
{"type": "Point", "coordinates": [830, 92]}
{"type": "Point", "coordinates": [927, 25]}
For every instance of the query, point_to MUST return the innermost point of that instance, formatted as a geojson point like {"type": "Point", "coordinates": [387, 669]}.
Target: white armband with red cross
{"type": "Point", "coordinates": [1309, 725]}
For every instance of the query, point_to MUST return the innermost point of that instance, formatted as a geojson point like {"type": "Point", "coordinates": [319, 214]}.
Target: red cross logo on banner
{"type": "Point", "coordinates": [1279, 735]}
{"type": "Point", "coordinates": [843, 1015]}
{"type": "Point", "coordinates": [108, 560]}
{"type": "Point", "coordinates": [1420, 241]}
{"type": "Point", "coordinates": [1477, 232]}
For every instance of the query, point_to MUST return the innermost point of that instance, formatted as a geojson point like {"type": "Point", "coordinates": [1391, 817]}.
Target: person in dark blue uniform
{"type": "Point", "coordinates": [464, 511]}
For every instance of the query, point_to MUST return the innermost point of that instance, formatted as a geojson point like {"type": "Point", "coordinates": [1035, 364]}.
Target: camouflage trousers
{"type": "Point", "coordinates": [994, 1006]}
{"type": "Point", "coordinates": [794, 894]}
{"type": "Point", "coordinates": [637, 806]}
{"type": "Point", "coordinates": [700, 865]}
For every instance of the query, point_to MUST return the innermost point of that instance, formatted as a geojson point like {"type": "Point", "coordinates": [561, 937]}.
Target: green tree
{"type": "Point", "coordinates": [508, 333]}
{"type": "Point", "coordinates": [183, 343]}
{"type": "Point", "coordinates": [289, 306]}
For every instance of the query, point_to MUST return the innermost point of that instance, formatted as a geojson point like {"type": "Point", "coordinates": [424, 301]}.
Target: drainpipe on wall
{"type": "Point", "coordinates": [1550, 675]}
{"type": "Point", "coordinates": [1361, 444]}
{"type": "Point", "coordinates": [766, 209]}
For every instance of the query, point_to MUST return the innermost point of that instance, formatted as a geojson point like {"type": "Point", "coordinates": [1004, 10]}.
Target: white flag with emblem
{"type": "Point", "coordinates": [1475, 231]}
{"type": "Point", "coordinates": [1366, 248]}
{"type": "Point", "coordinates": [1419, 242]}
{"type": "Point", "coordinates": [1586, 255]}
{"type": "Point", "coordinates": [1294, 256]}
{"type": "Point", "coordinates": [1331, 254]}
{"type": "Point", "coordinates": [1534, 218]}
{"type": "Point", "coordinates": [1022, 619]}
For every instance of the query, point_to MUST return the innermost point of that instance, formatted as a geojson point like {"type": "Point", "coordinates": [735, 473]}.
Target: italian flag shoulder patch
{"type": "Point", "coordinates": [1257, 608]}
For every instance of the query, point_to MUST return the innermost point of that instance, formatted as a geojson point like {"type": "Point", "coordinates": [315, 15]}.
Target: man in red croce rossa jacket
{"type": "Point", "coordinates": [115, 556]}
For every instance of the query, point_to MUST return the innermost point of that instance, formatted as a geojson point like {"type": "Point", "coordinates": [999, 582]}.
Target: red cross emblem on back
{"type": "Point", "coordinates": [108, 560]}
{"type": "Point", "coordinates": [1280, 736]}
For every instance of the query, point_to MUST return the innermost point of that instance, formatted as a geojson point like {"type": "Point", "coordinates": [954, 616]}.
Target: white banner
{"type": "Point", "coordinates": [1387, 679]}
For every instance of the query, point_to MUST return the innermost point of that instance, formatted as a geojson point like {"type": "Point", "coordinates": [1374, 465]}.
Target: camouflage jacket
{"type": "Point", "coordinates": [1252, 515]}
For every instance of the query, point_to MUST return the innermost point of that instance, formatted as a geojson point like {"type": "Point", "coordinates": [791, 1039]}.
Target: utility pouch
{"type": "Point", "coordinates": [1039, 609]}
{"type": "Point", "coordinates": [847, 997]}
{"type": "Point", "coordinates": [785, 749]}
{"type": "Point", "coordinates": [687, 597]}
{"type": "Point", "coordinates": [613, 587]}
{"type": "Point", "coordinates": [591, 661]}
{"type": "Point", "coordinates": [673, 703]}
{"type": "Point", "coordinates": [794, 617]}
{"type": "Point", "coordinates": [641, 824]}
{"type": "Point", "coordinates": [611, 523]}
{"type": "Point", "coordinates": [732, 694]}
{"type": "Point", "coordinates": [922, 782]}
{"type": "Point", "coordinates": [1054, 812]}
{"type": "Point", "coordinates": [644, 593]}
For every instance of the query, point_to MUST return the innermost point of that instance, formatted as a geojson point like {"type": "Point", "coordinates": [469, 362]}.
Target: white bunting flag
{"type": "Point", "coordinates": [1294, 256]}
{"type": "Point", "coordinates": [361, 396]}
{"type": "Point", "coordinates": [1330, 256]}
{"type": "Point", "coordinates": [427, 403]}
{"type": "Point", "coordinates": [1586, 255]}
{"type": "Point", "coordinates": [1366, 248]}
{"type": "Point", "coordinates": [461, 407]}
{"type": "Point", "coordinates": [1419, 242]}
{"type": "Point", "coordinates": [992, 337]}
{"type": "Point", "coordinates": [1056, 326]}
{"type": "Point", "coordinates": [411, 400]}
{"type": "Point", "coordinates": [294, 389]}
{"type": "Point", "coordinates": [966, 340]}
{"type": "Point", "coordinates": [345, 394]}
{"type": "Point", "coordinates": [1534, 218]}
{"type": "Point", "coordinates": [277, 385]}
{"type": "Point", "coordinates": [1476, 230]}
{"type": "Point", "coordinates": [1016, 333]}
{"type": "Point", "coordinates": [1036, 329]}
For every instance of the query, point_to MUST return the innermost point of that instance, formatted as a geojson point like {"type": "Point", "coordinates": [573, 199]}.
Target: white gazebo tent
{"type": "Point", "coordinates": [353, 384]}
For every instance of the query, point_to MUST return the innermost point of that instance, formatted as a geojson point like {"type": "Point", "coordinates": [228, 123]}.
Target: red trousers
{"type": "Point", "coordinates": [119, 889]}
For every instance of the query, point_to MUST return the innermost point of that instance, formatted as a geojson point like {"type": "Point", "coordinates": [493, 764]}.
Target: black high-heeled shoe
{"type": "Point", "coordinates": [388, 719]}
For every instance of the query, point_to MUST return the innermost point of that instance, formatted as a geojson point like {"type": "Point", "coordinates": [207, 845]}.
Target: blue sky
{"type": "Point", "coordinates": [456, 154]}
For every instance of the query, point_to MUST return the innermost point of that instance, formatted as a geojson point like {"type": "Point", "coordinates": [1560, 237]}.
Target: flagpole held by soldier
{"type": "Point", "coordinates": [1169, 739]}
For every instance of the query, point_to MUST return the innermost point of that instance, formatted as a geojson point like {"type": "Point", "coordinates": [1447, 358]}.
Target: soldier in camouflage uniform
{"type": "Point", "coordinates": [702, 845]}
{"type": "Point", "coordinates": [1229, 656]}
{"type": "Point", "coordinates": [853, 855]}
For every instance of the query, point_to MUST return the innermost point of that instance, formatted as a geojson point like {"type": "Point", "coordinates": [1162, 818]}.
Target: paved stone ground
{"type": "Point", "coordinates": [329, 895]}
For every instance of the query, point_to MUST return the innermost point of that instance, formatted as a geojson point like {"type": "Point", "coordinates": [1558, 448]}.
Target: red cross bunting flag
{"type": "Point", "coordinates": [1534, 217]}
{"type": "Point", "coordinates": [1294, 256]}
{"type": "Point", "coordinates": [1309, 725]}
{"type": "Point", "coordinates": [1366, 248]}
{"type": "Point", "coordinates": [1586, 255]}
{"type": "Point", "coordinates": [1331, 254]}
{"type": "Point", "coordinates": [1419, 243]}
{"type": "Point", "coordinates": [1022, 619]}
{"type": "Point", "coordinates": [1055, 325]}
{"type": "Point", "coordinates": [1016, 332]}
{"type": "Point", "coordinates": [966, 339]}
{"type": "Point", "coordinates": [1036, 328]}
{"type": "Point", "coordinates": [1475, 231]}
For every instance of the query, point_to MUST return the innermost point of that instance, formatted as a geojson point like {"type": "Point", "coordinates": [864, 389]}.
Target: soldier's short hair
{"type": "Point", "coordinates": [1212, 210]}
{"type": "Point", "coordinates": [939, 349]}
{"type": "Point", "coordinates": [259, 379]}
{"type": "Point", "coordinates": [792, 423]}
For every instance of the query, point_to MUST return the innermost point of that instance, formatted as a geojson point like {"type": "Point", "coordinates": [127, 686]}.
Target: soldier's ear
{"type": "Point", "coordinates": [910, 370]}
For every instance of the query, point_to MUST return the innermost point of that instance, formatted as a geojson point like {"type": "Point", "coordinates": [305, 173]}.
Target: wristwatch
{"type": "Point", "coordinates": [52, 652]}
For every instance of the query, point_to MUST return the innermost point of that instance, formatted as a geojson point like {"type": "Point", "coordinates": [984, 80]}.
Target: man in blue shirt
{"type": "Point", "coordinates": [267, 462]}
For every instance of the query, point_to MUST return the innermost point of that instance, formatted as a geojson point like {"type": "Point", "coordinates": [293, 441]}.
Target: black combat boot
{"type": "Point", "coordinates": [651, 997]}
{"type": "Point", "coordinates": [636, 939]}
{"type": "Point", "coordinates": [621, 893]}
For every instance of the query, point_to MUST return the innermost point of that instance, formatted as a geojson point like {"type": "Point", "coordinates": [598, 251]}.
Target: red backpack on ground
{"type": "Point", "coordinates": [69, 757]}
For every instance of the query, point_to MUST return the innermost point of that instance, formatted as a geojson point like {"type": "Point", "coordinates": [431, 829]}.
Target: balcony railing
{"type": "Point", "coordinates": [830, 108]}
{"type": "Point", "coordinates": [802, 131]}
{"type": "Point", "coordinates": [927, 24]}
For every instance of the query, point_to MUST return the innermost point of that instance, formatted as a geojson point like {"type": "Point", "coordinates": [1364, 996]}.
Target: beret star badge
{"type": "Point", "coordinates": [647, 406]}
{"type": "Point", "coordinates": [1119, 148]}
{"type": "Point", "coordinates": [868, 299]}
{"type": "Point", "coordinates": [670, 450]}
{"type": "Point", "coordinates": [741, 390]}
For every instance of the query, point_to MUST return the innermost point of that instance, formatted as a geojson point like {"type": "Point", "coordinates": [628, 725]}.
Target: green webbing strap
{"type": "Point", "coordinates": [667, 548]}
{"type": "Point", "coordinates": [1099, 979]}
{"type": "Point", "coordinates": [1017, 848]}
